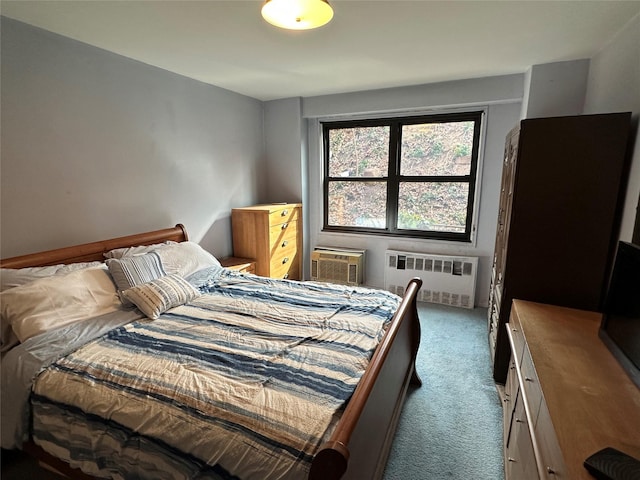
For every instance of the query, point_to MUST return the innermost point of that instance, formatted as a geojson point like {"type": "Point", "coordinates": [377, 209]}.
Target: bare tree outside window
{"type": "Point", "coordinates": [410, 176]}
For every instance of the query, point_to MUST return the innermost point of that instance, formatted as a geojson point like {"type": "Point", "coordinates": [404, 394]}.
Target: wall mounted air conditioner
{"type": "Point", "coordinates": [446, 279]}
{"type": "Point", "coordinates": [338, 265]}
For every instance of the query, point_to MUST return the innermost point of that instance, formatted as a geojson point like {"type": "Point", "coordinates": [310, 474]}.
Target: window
{"type": "Point", "coordinates": [408, 176]}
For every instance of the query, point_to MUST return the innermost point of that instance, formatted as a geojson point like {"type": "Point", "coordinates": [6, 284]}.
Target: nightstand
{"type": "Point", "coordinates": [246, 265]}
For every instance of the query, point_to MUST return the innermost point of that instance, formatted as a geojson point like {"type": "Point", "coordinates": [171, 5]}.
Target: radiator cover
{"type": "Point", "coordinates": [447, 279]}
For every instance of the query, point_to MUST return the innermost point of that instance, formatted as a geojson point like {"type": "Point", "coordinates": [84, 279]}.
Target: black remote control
{"type": "Point", "coordinates": [612, 464]}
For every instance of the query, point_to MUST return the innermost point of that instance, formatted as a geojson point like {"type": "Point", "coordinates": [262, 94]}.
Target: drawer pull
{"type": "Point", "coordinates": [528, 379]}
{"type": "Point", "coordinates": [551, 471]}
{"type": "Point", "coordinates": [519, 420]}
{"type": "Point", "coordinates": [285, 213]}
{"type": "Point", "coordinates": [285, 260]}
{"type": "Point", "coordinates": [286, 275]}
{"type": "Point", "coordinates": [284, 225]}
{"type": "Point", "coordinates": [512, 460]}
{"type": "Point", "coordinates": [285, 243]}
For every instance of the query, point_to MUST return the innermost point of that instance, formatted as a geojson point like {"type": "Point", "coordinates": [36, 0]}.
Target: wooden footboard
{"type": "Point", "coordinates": [360, 444]}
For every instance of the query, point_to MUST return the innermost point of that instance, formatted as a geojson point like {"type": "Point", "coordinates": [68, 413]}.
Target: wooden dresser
{"type": "Point", "coordinates": [566, 396]}
{"type": "Point", "coordinates": [271, 235]}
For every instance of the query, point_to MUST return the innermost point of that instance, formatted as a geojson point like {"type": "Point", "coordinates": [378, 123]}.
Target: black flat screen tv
{"type": "Point", "coordinates": [620, 328]}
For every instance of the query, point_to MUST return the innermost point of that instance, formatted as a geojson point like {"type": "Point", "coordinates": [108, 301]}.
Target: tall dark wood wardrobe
{"type": "Point", "coordinates": [562, 191]}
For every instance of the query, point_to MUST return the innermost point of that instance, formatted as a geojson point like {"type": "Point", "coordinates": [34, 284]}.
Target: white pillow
{"type": "Point", "coordinates": [14, 277]}
{"type": "Point", "coordinates": [185, 258]}
{"type": "Point", "coordinates": [156, 297]}
{"type": "Point", "coordinates": [137, 250]}
{"type": "Point", "coordinates": [52, 302]}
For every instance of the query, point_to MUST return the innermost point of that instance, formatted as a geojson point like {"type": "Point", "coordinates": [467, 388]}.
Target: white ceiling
{"type": "Point", "coordinates": [367, 45]}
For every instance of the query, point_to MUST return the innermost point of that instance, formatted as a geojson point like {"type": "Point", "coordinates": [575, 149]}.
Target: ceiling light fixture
{"type": "Point", "coordinates": [297, 14]}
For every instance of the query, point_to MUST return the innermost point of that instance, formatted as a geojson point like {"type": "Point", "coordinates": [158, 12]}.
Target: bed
{"type": "Point", "coordinates": [145, 389]}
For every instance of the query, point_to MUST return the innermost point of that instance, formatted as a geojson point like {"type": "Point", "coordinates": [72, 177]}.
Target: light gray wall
{"type": "Point", "coordinates": [555, 89]}
{"type": "Point", "coordinates": [95, 145]}
{"type": "Point", "coordinates": [614, 86]}
{"type": "Point", "coordinates": [472, 92]}
{"type": "Point", "coordinates": [286, 159]}
{"type": "Point", "coordinates": [283, 150]}
{"type": "Point", "coordinates": [500, 96]}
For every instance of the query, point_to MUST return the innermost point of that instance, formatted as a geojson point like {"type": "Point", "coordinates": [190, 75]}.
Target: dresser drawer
{"type": "Point", "coordinates": [285, 246]}
{"type": "Point", "coordinates": [283, 255]}
{"type": "Point", "coordinates": [528, 468]}
{"type": "Point", "coordinates": [520, 462]}
{"type": "Point", "coordinates": [531, 385]}
{"type": "Point", "coordinates": [287, 267]}
{"type": "Point", "coordinates": [284, 235]}
{"type": "Point", "coordinates": [550, 453]}
{"type": "Point", "coordinates": [518, 338]}
{"type": "Point", "coordinates": [509, 401]}
{"type": "Point", "coordinates": [285, 214]}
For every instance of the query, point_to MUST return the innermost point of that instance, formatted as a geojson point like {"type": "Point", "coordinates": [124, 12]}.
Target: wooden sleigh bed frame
{"type": "Point", "coordinates": [360, 444]}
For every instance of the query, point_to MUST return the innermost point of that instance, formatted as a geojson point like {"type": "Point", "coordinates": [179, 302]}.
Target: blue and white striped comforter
{"type": "Point", "coordinates": [247, 381]}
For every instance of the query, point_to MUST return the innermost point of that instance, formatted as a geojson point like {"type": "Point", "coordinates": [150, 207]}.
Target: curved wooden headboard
{"type": "Point", "coordinates": [89, 252]}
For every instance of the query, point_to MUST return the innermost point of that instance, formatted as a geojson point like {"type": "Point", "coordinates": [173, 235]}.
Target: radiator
{"type": "Point", "coordinates": [450, 280]}
{"type": "Point", "coordinates": [337, 265]}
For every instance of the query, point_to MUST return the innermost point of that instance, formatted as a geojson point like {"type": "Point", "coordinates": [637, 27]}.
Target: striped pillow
{"type": "Point", "coordinates": [128, 272]}
{"type": "Point", "coordinates": [158, 296]}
